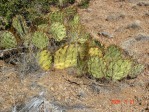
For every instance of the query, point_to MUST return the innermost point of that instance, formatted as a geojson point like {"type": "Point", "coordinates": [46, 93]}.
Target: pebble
{"type": "Point", "coordinates": [106, 34]}
{"type": "Point", "coordinates": [134, 25]}
{"type": "Point", "coordinates": [143, 3]}
{"type": "Point", "coordinates": [115, 16]}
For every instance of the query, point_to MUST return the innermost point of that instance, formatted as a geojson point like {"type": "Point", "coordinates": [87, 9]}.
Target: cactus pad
{"type": "Point", "coordinates": [58, 31]}
{"type": "Point", "coordinates": [8, 40]}
{"type": "Point", "coordinates": [95, 52]}
{"type": "Point", "coordinates": [137, 69]}
{"type": "Point", "coordinates": [19, 24]}
{"type": "Point", "coordinates": [65, 57]}
{"type": "Point", "coordinates": [120, 69]}
{"type": "Point", "coordinates": [40, 40]}
{"type": "Point", "coordinates": [44, 59]}
{"type": "Point", "coordinates": [112, 53]}
{"type": "Point", "coordinates": [96, 67]}
{"type": "Point", "coordinates": [56, 16]}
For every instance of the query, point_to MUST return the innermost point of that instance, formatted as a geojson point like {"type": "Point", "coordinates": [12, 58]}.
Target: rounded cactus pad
{"type": "Point", "coordinates": [95, 52]}
{"type": "Point", "coordinates": [136, 69]}
{"type": "Point", "coordinates": [56, 16]}
{"type": "Point", "coordinates": [113, 52]}
{"type": "Point", "coordinates": [96, 67]}
{"type": "Point", "coordinates": [58, 31]}
{"type": "Point", "coordinates": [120, 69]}
{"type": "Point", "coordinates": [20, 25]}
{"type": "Point", "coordinates": [40, 39]}
{"type": "Point", "coordinates": [8, 40]}
{"type": "Point", "coordinates": [44, 59]}
{"type": "Point", "coordinates": [66, 57]}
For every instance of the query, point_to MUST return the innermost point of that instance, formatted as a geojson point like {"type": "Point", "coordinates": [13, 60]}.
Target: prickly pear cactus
{"type": "Point", "coordinates": [40, 39]}
{"type": "Point", "coordinates": [19, 24]}
{"type": "Point", "coordinates": [96, 67]}
{"type": "Point", "coordinates": [95, 52]}
{"type": "Point", "coordinates": [7, 40]}
{"type": "Point", "coordinates": [43, 27]}
{"type": "Point", "coordinates": [66, 57]}
{"type": "Point", "coordinates": [44, 59]}
{"type": "Point", "coordinates": [58, 31]}
{"type": "Point", "coordinates": [136, 69]}
{"type": "Point", "coordinates": [69, 12]}
{"type": "Point", "coordinates": [112, 53]}
{"type": "Point", "coordinates": [111, 65]}
{"type": "Point", "coordinates": [56, 16]}
{"type": "Point", "coordinates": [119, 69]}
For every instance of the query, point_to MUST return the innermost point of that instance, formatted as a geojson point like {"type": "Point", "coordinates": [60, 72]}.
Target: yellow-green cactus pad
{"type": "Point", "coordinates": [40, 39]}
{"type": "Point", "coordinates": [66, 57]}
{"type": "Point", "coordinates": [43, 27]}
{"type": "Point", "coordinates": [137, 69]}
{"type": "Point", "coordinates": [113, 53]}
{"type": "Point", "coordinates": [95, 52]}
{"type": "Point", "coordinates": [119, 69]}
{"type": "Point", "coordinates": [56, 16]}
{"type": "Point", "coordinates": [96, 67]}
{"type": "Point", "coordinates": [44, 59]}
{"type": "Point", "coordinates": [8, 40]}
{"type": "Point", "coordinates": [58, 31]}
{"type": "Point", "coordinates": [20, 25]}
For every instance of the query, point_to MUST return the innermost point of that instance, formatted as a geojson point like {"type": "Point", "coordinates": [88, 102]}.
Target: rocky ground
{"type": "Point", "coordinates": [121, 22]}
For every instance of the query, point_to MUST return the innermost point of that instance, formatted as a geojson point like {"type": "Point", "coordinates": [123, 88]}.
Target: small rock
{"type": "Point", "coordinates": [134, 25]}
{"type": "Point", "coordinates": [147, 14]}
{"type": "Point", "coordinates": [134, 41]}
{"type": "Point", "coordinates": [115, 16]}
{"type": "Point", "coordinates": [141, 37]}
{"type": "Point", "coordinates": [143, 3]}
{"type": "Point", "coordinates": [106, 34]}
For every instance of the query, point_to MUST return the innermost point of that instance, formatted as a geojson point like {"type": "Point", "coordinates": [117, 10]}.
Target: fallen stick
{"type": "Point", "coordinates": [7, 53]}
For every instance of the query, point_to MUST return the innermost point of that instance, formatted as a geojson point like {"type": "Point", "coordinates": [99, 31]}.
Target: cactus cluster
{"type": "Point", "coordinates": [75, 48]}
{"type": "Point", "coordinates": [40, 39]}
{"type": "Point", "coordinates": [44, 59]}
{"type": "Point", "coordinates": [20, 25]}
{"type": "Point", "coordinates": [7, 40]}
{"type": "Point", "coordinates": [58, 31]}
{"type": "Point", "coordinates": [111, 65]}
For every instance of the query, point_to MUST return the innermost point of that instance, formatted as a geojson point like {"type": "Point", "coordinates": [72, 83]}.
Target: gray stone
{"type": "Point", "coordinates": [143, 3]}
{"type": "Point", "coordinates": [127, 45]}
{"type": "Point", "coordinates": [106, 34]}
{"type": "Point", "coordinates": [134, 25]}
{"type": "Point", "coordinates": [115, 16]}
